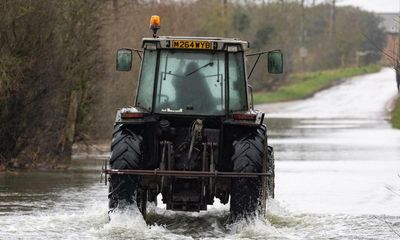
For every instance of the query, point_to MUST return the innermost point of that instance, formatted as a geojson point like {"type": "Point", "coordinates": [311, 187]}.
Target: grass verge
{"type": "Point", "coordinates": [396, 114]}
{"type": "Point", "coordinates": [304, 85]}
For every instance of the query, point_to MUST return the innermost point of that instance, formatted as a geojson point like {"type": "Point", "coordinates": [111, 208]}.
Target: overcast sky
{"type": "Point", "coordinates": [374, 5]}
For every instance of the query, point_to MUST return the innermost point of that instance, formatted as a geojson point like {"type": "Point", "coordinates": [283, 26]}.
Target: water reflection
{"type": "Point", "coordinates": [331, 139]}
{"type": "Point", "coordinates": [31, 191]}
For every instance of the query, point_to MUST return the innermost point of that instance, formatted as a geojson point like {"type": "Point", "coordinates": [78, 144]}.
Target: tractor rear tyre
{"type": "Point", "coordinates": [247, 158]}
{"type": "Point", "coordinates": [126, 153]}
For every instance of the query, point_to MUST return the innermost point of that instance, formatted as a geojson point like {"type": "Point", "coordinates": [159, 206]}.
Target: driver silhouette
{"type": "Point", "coordinates": [192, 91]}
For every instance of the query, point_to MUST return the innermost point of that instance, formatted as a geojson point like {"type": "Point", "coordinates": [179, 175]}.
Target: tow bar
{"type": "Point", "coordinates": [171, 173]}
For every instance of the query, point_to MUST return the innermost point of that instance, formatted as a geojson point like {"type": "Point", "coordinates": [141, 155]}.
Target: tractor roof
{"type": "Point", "coordinates": [196, 43]}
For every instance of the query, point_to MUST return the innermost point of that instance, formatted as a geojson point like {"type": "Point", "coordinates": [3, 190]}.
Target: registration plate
{"type": "Point", "coordinates": [191, 44]}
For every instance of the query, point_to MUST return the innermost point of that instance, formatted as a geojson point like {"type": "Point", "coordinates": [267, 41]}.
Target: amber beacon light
{"type": "Point", "coordinates": [155, 24]}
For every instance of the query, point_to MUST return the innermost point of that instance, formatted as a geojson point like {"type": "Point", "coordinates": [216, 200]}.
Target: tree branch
{"type": "Point", "coordinates": [378, 48]}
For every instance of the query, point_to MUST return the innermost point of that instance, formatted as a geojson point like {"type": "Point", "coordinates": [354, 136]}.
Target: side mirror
{"type": "Point", "coordinates": [124, 59]}
{"type": "Point", "coordinates": [275, 62]}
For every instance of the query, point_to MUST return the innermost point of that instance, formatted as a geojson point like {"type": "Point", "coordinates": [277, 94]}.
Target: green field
{"type": "Point", "coordinates": [396, 115]}
{"type": "Point", "coordinates": [304, 85]}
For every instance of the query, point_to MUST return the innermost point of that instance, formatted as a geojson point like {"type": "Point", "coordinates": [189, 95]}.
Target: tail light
{"type": "Point", "coordinates": [132, 115]}
{"type": "Point", "coordinates": [245, 116]}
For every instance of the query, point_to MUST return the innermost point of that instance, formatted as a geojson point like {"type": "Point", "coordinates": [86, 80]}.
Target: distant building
{"type": "Point", "coordinates": [390, 23]}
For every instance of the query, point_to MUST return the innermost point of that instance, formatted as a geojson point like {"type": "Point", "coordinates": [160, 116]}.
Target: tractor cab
{"type": "Point", "coordinates": [193, 75]}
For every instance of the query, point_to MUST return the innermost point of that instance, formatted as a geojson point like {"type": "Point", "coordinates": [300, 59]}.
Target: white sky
{"type": "Point", "coordinates": [389, 6]}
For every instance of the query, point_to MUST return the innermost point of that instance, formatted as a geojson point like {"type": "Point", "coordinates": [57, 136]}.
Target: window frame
{"type": "Point", "coordinates": [140, 80]}
{"type": "Point", "coordinates": [244, 74]}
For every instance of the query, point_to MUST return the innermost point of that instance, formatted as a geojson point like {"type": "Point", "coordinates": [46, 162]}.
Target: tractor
{"type": "Point", "coordinates": [193, 134]}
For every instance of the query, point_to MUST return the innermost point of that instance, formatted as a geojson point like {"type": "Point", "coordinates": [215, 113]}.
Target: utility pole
{"type": "Point", "coordinates": [224, 7]}
{"type": "Point", "coordinates": [302, 22]}
{"type": "Point", "coordinates": [303, 51]}
{"type": "Point", "coordinates": [223, 31]}
{"type": "Point", "coordinates": [397, 63]}
{"type": "Point", "coordinates": [332, 20]}
{"type": "Point", "coordinates": [332, 32]}
{"type": "Point", "coordinates": [116, 9]}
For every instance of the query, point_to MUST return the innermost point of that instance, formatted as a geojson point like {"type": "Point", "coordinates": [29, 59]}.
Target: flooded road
{"type": "Point", "coordinates": [337, 177]}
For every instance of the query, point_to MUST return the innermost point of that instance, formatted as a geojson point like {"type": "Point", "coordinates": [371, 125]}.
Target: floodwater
{"type": "Point", "coordinates": [337, 177]}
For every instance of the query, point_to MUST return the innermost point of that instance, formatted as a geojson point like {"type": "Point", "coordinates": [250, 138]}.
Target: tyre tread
{"type": "Point", "coordinates": [247, 158]}
{"type": "Point", "coordinates": [126, 153]}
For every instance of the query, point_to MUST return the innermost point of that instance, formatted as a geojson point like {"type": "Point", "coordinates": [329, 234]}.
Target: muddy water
{"type": "Point", "coordinates": [337, 170]}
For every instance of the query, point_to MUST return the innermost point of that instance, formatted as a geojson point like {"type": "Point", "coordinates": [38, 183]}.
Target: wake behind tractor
{"type": "Point", "coordinates": [193, 134]}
